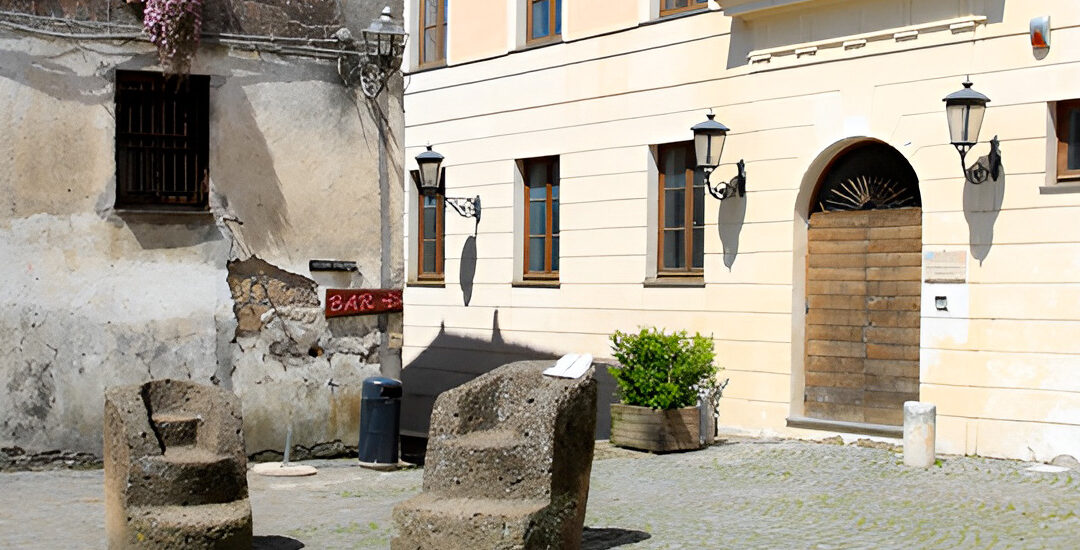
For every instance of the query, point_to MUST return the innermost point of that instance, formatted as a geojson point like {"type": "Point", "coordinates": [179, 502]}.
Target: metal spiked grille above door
{"type": "Point", "coordinates": [869, 176]}
{"type": "Point", "coordinates": [866, 193]}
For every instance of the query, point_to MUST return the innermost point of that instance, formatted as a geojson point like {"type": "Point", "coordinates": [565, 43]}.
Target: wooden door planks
{"type": "Point", "coordinates": [863, 300]}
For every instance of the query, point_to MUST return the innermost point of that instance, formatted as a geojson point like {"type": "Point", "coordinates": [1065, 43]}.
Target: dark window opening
{"type": "Point", "coordinates": [162, 141]}
{"type": "Point", "coordinates": [1068, 138]}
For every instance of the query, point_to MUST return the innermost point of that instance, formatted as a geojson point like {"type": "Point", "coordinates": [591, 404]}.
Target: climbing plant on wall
{"type": "Point", "coordinates": [174, 27]}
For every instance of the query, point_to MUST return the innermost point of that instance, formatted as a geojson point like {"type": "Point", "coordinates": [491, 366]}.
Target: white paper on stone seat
{"type": "Point", "coordinates": [571, 365]}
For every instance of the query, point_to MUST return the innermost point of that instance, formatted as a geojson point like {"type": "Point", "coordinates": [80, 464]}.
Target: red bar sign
{"type": "Point", "coordinates": [341, 302]}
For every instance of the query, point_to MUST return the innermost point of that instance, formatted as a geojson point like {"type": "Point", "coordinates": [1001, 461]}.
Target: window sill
{"type": "Point", "coordinates": [1061, 187]}
{"type": "Point", "coordinates": [428, 67]}
{"type": "Point", "coordinates": [536, 283]}
{"type": "Point", "coordinates": [675, 282]}
{"type": "Point", "coordinates": [434, 283]}
{"type": "Point", "coordinates": [540, 43]}
{"type": "Point", "coordinates": [164, 216]}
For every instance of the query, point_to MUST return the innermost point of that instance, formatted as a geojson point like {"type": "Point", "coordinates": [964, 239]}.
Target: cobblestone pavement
{"type": "Point", "coordinates": [751, 494]}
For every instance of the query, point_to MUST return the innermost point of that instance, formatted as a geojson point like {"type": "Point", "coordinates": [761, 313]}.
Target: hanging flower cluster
{"type": "Point", "coordinates": [174, 27]}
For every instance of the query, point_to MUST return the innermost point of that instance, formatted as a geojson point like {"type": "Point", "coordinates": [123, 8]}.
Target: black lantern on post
{"type": "Point", "coordinates": [384, 44]}
{"type": "Point", "coordinates": [430, 184]}
{"type": "Point", "coordinates": [709, 138]}
{"type": "Point", "coordinates": [965, 110]}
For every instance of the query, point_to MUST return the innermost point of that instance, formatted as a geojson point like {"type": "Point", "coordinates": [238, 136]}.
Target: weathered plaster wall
{"type": "Point", "coordinates": [93, 298]}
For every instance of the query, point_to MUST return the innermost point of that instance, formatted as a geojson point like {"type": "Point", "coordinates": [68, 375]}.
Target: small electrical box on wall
{"type": "Point", "coordinates": [1040, 33]}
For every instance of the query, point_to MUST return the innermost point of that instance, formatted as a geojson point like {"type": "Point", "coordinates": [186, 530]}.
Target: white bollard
{"type": "Point", "coordinates": [920, 427]}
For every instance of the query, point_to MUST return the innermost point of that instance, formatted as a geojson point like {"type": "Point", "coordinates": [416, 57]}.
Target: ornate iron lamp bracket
{"type": "Point", "coordinates": [465, 207]}
{"type": "Point", "coordinates": [980, 172]}
{"type": "Point", "coordinates": [728, 189]}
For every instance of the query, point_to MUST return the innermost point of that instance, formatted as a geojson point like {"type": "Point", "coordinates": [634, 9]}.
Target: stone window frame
{"type": "Point", "coordinates": [145, 156]}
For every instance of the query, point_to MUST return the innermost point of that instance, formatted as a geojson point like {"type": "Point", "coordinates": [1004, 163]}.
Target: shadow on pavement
{"type": "Point", "coordinates": [275, 542]}
{"type": "Point", "coordinates": [610, 537]}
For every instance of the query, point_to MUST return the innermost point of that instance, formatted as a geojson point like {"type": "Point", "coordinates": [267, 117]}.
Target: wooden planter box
{"type": "Point", "coordinates": [658, 431]}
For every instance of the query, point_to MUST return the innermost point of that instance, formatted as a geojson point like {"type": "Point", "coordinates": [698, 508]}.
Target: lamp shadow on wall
{"type": "Point", "coordinates": [729, 223]}
{"type": "Point", "coordinates": [982, 205]}
{"type": "Point", "coordinates": [467, 270]}
{"type": "Point", "coordinates": [452, 359]}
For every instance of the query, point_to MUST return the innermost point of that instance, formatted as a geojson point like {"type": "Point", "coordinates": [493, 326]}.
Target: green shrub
{"type": "Point", "coordinates": [662, 371]}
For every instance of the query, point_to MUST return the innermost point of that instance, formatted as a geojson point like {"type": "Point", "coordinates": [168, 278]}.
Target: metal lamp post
{"type": "Point", "coordinates": [965, 110]}
{"type": "Point", "coordinates": [709, 138]}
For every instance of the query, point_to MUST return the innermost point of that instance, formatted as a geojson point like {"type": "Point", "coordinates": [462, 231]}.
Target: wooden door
{"type": "Point", "coordinates": [862, 328]}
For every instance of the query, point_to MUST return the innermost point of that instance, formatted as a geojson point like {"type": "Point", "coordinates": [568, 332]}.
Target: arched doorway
{"type": "Point", "coordinates": [863, 289]}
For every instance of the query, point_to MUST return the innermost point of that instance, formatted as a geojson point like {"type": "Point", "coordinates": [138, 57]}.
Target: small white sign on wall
{"type": "Point", "coordinates": [945, 266]}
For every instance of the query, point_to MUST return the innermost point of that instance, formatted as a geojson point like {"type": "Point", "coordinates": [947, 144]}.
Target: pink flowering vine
{"type": "Point", "coordinates": [174, 27]}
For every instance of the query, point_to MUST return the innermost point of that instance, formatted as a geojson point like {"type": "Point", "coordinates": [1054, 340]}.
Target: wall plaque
{"type": "Point", "coordinates": [946, 266]}
{"type": "Point", "coordinates": [361, 301]}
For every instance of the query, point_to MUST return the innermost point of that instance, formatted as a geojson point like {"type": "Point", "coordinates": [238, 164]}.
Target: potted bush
{"type": "Point", "coordinates": [660, 378]}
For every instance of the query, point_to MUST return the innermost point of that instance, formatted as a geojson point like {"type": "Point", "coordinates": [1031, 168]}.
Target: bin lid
{"type": "Point", "coordinates": [380, 386]}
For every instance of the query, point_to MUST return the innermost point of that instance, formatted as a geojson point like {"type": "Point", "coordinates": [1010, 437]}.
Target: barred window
{"type": "Point", "coordinates": [162, 135]}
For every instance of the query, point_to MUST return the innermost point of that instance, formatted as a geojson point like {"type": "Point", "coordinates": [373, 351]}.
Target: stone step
{"type": "Point", "coordinates": [186, 476]}
{"type": "Point", "coordinates": [176, 428]}
{"type": "Point", "coordinates": [219, 526]}
{"type": "Point", "coordinates": [488, 464]}
{"type": "Point", "coordinates": [434, 521]}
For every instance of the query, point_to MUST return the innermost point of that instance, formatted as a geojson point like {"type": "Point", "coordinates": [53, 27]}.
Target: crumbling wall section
{"type": "Point", "coordinates": [292, 366]}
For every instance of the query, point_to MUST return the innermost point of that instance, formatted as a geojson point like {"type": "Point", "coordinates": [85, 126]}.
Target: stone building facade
{"type": "Point", "coordinates": [827, 312]}
{"type": "Point", "coordinates": [102, 290]}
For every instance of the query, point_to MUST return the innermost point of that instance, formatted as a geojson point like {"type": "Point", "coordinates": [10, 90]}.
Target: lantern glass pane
{"type": "Point", "coordinates": [965, 122]}
{"type": "Point", "coordinates": [974, 122]}
{"type": "Point", "coordinates": [429, 175]}
{"type": "Point", "coordinates": [708, 146]}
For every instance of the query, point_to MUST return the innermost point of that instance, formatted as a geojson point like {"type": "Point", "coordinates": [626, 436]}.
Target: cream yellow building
{"type": "Point", "coordinates": [592, 98]}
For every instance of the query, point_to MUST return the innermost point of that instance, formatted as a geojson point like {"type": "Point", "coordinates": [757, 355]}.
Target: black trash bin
{"type": "Point", "coordinates": [380, 416]}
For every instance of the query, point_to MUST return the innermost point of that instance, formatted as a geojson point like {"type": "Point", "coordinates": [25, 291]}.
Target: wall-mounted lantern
{"type": "Point", "coordinates": [709, 138]}
{"type": "Point", "coordinates": [431, 184]}
{"type": "Point", "coordinates": [965, 110]}
{"type": "Point", "coordinates": [373, 62]}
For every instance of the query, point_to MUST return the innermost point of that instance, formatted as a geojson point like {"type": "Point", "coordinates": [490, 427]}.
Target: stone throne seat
{"type": "Point", "coordinates": [508, 462]}
{"type": "Point", "coordinates": [175, 468]}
